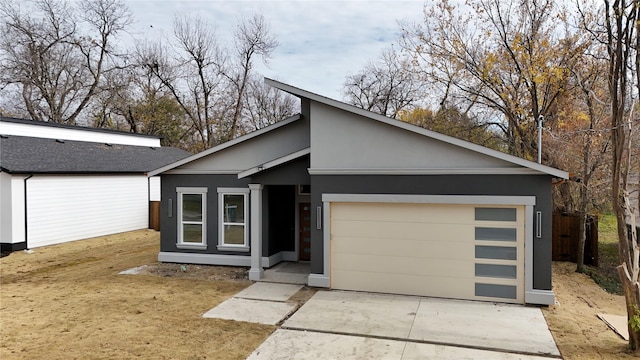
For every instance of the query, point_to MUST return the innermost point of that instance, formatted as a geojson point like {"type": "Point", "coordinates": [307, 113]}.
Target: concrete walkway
{"type": "Point", "coordinates": [358, 325]}
{"type": "Point", "coordinates": [262, 303]}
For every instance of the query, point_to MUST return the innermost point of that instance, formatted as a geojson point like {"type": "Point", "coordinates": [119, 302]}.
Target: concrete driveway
{"type": "Point", "coordinates": [356, 325]}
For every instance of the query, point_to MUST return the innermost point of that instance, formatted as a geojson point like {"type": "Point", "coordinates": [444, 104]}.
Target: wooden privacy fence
{"type": "Point", "coordinates": [566, 235]}
{"type": "Point", "coordinates": [154, 215]}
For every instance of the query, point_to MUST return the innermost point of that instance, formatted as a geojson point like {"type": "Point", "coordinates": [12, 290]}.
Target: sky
{"type": "Point", "coordinates": [320, 42]}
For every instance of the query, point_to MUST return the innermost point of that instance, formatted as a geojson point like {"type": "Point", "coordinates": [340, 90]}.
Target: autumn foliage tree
{"type": "Point", "coordinates": [506, 56]}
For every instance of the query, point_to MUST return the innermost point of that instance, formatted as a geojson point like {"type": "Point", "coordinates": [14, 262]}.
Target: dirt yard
{"type": "Point", "coordinates": [68, 302]}
{"type": "Point", "coordinates": [578, 332]}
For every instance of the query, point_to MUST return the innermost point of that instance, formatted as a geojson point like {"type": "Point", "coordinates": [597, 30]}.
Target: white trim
{"type": "Point", "coordinates": [430, 199]}
{"type": "Point", "coordinates": [416, 129]}
{"type": "Point", "coordinates": [256, 272]}
{"type": "Point", "coordinates": [459, 171]}
{"type": "Point", "coordinates": [192, 190]}
{"type": "Point", "coordinates": [232, 248]}
{"type": "Point", "coordinates": [225, 145]}
{"type": "Point", "coordinates": [532, 296]}
{"type": "Point", "coordinates": [319, 280]}
{"type": "Point", "coordinates": [204, 259]}
{"type": "Point", "coordinates": [540, 297]}
{"type": "Point", "coordinates": [233, 190]}
{"type": "Point", "coordinates": [288, 256]}
{"type": "Point", "coordinates": [326, 240]}
{"type": "Point", "coordinates": [201, 172]}
{"type": "Point", "coordinates": [213, 259]}
{"type": "Point", "coordinates": [273, 163]}
{"type": "Point", "coordinates": [202, 191]}
{"type": "Point", "coordinates": [188, 246]}
{"type": "Point", "coordinates": [222, 192]}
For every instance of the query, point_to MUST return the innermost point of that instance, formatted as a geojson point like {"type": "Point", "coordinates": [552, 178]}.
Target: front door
{"type": "Point", "coordinates": [304, 211]}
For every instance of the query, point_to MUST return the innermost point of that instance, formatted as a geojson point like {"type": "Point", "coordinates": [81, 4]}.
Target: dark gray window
{"type": "Point", "coordinates": [496, 252]}
{"type": "Point", "coordinates": [495, 234]}
{"type": "Point", "coordinates": [496, 214]}
{"type": "Point", "coordinates": [496, 271]}
{"type": "Point", "coordinates": [497, 291]}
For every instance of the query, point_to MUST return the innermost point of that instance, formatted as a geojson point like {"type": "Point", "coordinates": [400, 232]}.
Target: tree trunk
{"type": "Point", "coordinates": [582, 241]}
{"type": "Point", "coordinates": [632, 297]}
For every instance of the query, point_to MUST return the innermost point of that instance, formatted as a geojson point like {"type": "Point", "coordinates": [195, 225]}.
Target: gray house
{"type": "Point", "coordinates": [374, 204]}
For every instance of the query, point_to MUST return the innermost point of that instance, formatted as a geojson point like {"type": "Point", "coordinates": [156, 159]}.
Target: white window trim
{"type": "Point", "coordinates": [233, 191]}
{"type": "Point", "coordinates": [192, 191]}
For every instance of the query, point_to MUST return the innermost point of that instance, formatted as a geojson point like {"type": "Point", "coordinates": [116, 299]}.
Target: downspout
{"type": "Point", "coordinates": [26, 227]}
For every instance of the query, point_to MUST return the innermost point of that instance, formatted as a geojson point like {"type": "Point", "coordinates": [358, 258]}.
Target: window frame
{"type": "Point", "coordinates": [181, 244]}
{"type": "Point", "coordinates": [222, 192]}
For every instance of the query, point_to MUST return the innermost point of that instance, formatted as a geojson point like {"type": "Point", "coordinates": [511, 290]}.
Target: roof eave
{"type": "Point", "coordinates": [225, 145]}
{"type": "Point", "coordinates": [409, 127]}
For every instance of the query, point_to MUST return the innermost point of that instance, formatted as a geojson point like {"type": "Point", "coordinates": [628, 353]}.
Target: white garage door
{"type": "Point", "coordinates": [452, 251]}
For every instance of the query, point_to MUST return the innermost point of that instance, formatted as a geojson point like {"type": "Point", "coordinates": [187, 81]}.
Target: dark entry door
{"type": "Point", "coordinates": [305, 231]}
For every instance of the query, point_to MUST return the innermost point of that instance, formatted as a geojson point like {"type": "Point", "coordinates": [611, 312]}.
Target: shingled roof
{"type": "Point", "coordinates": [30, 155]}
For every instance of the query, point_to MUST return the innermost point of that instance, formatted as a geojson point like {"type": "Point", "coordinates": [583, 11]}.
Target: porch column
{"type": "Point", "coordinates": [256, 272]}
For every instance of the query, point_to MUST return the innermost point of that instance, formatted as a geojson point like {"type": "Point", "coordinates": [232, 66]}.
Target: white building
{"type": "Point", "coordinates": [61, 183]}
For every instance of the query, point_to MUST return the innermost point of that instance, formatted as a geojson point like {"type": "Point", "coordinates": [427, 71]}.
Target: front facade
{"type": "Point", "coordinates": [372, 203]}
{"type": "Point", "coordinates": [63, 183]}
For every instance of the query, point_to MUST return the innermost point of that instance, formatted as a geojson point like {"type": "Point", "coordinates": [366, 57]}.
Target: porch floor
{"type": "Point", "coordinates": [288, 273]}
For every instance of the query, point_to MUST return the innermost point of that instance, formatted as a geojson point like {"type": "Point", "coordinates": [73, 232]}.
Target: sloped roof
{"type": "Point", "coordinates": [530, 166]}
{"type": "Point", "coordinates": [30, 155]}
{"type": "Point", "coordinates": [72, 127]}
{"type": "Point", "coordinates": [228, 144]}
{"type": "Point", "coordinates": [543, 169]}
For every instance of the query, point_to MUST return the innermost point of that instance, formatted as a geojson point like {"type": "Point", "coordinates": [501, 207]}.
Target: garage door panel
{"type": "Point", "coordinates": [383, 247]}
{"type": "Point", "coordinates": [403, 265]}
{"type": "Point", "coordinates": [404, 284]}
{"type": "Point", "coordinates": [437, 250]}
{"type": "Point", "coordinates": [402, 230]}
{"type": "Point", "coordinates": [437, 214]}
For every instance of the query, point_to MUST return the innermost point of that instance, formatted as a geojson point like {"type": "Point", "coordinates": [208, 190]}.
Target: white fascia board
{"type": "Point", "coordinates": [275, 162]}
{"type": "Point", "coordinates": [225, 145]}
{"type": "Point", "coordinates": [416, 129]}
{"type": "Point", "coordinates": [432, 199]}
{"type": "Point", "coordinates": [459, 171]}
{"type": "Point", "coordinates": [201, 172]}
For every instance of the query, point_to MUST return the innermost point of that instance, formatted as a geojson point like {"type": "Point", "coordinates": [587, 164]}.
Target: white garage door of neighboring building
{"type": "Point", "coordinates": [452, 251]}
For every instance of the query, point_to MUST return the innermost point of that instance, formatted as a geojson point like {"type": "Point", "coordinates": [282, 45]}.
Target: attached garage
{"type": "Point", "coordinates": [443, 249]}
{"type": "Point", "coordinates": [388, 207]}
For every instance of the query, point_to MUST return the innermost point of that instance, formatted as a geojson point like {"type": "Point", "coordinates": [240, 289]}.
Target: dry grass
{"type": "Point", "coordinates": [68, 302]}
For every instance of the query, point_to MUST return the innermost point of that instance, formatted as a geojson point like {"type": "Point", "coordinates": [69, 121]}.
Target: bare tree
{"type": "Point", "coordinates": [209, 81]}
{"type": "Point", "coordinates": [387, 86]}
{"type": "Point", "coordinates": [56, 55]}
{"type": "Point", "coordinates": [266, 105]}
{"type": "Point", "coordinates": [252, 38]}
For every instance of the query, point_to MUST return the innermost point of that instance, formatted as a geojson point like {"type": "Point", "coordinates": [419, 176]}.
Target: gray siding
{"type": "Point", "coordinates": [342, 140]}
{"type": "Point", "coordinates": [292, 173]}
{"type": "Point", "coordinates": [168, 235]}
{"type": "Point", "coordinates": [255, 151]}
{"type": "Point", "coordinates": [495, 185]}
